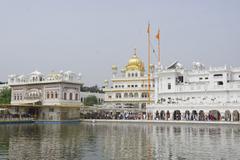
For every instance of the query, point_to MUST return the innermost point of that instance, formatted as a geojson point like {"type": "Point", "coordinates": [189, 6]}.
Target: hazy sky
{"type": "Point", "coordinates": [89, 36]}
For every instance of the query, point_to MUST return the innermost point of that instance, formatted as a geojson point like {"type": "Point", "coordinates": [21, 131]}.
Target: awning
{"type": "Point", "coordinates": [30, 101]}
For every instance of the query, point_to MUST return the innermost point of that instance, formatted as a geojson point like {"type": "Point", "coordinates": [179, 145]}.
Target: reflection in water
{"type": "Point", "coordinates": [119, 141]}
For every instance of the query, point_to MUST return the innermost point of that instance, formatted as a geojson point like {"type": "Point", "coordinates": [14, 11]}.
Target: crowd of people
{"type": "Point", "coordinates": [113, 115]}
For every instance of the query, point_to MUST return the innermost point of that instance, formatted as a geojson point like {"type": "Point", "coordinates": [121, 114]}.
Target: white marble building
{"type": "Point", "coordinates": [55, 96]}
{"type": "Point", "coordinates": [199, 93]}
{"type": "Point", "coordinates": [129, 88]}
{"type": "Point", "coordinates": [61, 88]}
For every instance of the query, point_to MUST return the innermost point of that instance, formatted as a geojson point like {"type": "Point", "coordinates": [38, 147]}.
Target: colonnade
{"type": "Point", "coordinates": [196, 115]}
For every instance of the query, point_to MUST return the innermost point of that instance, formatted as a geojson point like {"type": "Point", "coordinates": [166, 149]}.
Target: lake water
{"type": "Point", "coordinates": [118, 141]}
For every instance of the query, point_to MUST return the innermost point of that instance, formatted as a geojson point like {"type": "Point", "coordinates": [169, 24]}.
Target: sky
{"type": "Point", "coordinates": [88, 36]}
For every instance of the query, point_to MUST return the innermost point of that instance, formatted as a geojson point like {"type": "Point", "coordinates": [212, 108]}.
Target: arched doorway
{"type": "Point", "coordinates": [201, 115]}
{"type": "Point", "coordinates": [187, 115]}
{"type": "Point", "coordinates": [194, 115]}
{"type": "Point", "coordinates": [149, 116]}
{"type": "Point", "coordinates": [227, 115]}
{"type": "Point", "coordinates": [168, 114]}
{"type": "Point", "coordinates": [214, 115]}
{"type": "Point", "coordinates": [235, 115]}
{"type": "Point", "coordinates": [177, 115]}
{"type": "Point", "coordinates": [157, 115]}
{"type": "Point", "coordinates": [162, 115]}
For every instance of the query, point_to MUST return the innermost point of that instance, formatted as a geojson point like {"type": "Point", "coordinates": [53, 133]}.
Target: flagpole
{"type": "Point", "coordinates": [158, 38]}
{"type": "Point", "coordinates": [149, 61]}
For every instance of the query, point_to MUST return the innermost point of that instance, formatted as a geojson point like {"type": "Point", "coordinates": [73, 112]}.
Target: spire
{"type": "Point", "coordinates": [135, 51]}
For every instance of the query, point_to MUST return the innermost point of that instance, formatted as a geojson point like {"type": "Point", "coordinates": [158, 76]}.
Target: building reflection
{"type": "Point", "coordinates": [119, 141]}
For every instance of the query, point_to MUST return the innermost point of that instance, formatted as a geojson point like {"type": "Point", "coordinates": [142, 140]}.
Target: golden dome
{"type": "Point", "coordinates": [135, 63]}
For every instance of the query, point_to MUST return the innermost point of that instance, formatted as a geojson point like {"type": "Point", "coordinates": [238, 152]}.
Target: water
{"type": "Point", "coordinates": [118, 141]}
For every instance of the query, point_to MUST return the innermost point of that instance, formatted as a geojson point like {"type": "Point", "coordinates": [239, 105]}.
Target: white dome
{"type": "Point", "coordinates": [36, 73]}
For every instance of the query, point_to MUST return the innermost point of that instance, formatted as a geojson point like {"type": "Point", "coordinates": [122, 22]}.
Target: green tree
{"type": "Point", "coordinates": [5, 96]}
{"type": "Point", "coordinates": [90, 100]}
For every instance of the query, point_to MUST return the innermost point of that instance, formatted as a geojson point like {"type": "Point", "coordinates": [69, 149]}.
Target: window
{"type": "Point", "coordinates": [70, 96]}
{"type": "Point", "coordinates": [129, 75]}
{"type": "Point", "coordinates": [51, 109]}
{"type": "Point", "coordinates": [132, 74]}
{"type": "Point", "coordinates": [52, 95]}
{"type": "Point", "coordinates": [206, 77]}
{"type": "Point", "coordinates": [217, 75]}
{"type": "Point", "coordinates": [136, 86]}
{"type": "Point", "coordinates": [116, 86]}
{"type": "Point", "coordinates": [144, 95]}
{"type": "Point", "coordinates": [118, 95]}
{"type": "Point", "coordinates": [56, 95]}
{"type": "Point", "coordinates": [200, 78]}
{"type": "Point", "coordinates": [125, 95]}
{"type": "Point", "coordinates": [169, 86]}
{"type": "Point", "coordinates": [48, 95]}
{"type": "Point", "coordinates": [65, 96]}
{"type": "Point", "coordinates": [128, 86]}
{"type": "Point", "coordinates": [122, 86]}
{"type": "Point", "coordinates": [136, 74]}
{"type": "Point", "coordinates": [131, 95]}
{"type": "Point", "coordinates": [132, 86]}
{"type": "Point", "coordinates": [179, 79]}
{"type": "Point", "coordinates": [136, 95]}
{"type": "Point", "coordinates": [76, 96]}
{"type": "Point", "coordinates": [220, 83]}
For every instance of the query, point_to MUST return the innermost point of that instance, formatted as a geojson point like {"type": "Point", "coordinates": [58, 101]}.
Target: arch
{"type": "Point", "coordinates": [130, 95]}
{"type": "Point", "coordinates": [168, 114]}
{"type": "Point", "coordinates": [70, 96]}
{"type": "Point", "coordinates": [48, 95]}
{"type": "Point", "coordinates": [135, 95]}
{"type": "Point", "coordinates": [214, 115]}
{"type": "Point", "coordinates": [76, 96]}
{"type": "Point", "coordinates": [201, 116]}
{"type": "Point", "coordinates": [157, 115]}
{"type": "Point", "coordinates": [65, 96]}
{"type": "Point", "coordinates": [194, 115]}
{"type": "Point", "coordinates": [235, 115]}
{"type": "Point", "coordinates": [187, 115]}
{"type": "Point", "coordinates": [227, 115]}
{"type": "Point", "coordinates": [52, 95]}
{"type": "Point", "coordinates": [162, 115]}
{"type": "Point", "coordinates": [177, 115]}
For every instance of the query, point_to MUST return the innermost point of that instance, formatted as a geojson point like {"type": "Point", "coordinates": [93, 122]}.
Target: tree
{"type": "Point", "coordinates": [5, 96]}
{"type": "Point", "coordinates": [90, 101]}
{"type": "Point", "coordinates": [93, 89]}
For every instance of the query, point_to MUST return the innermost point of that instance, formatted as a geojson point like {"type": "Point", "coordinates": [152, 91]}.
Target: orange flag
{"type": "Point", "coordinates": [158, 35]}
